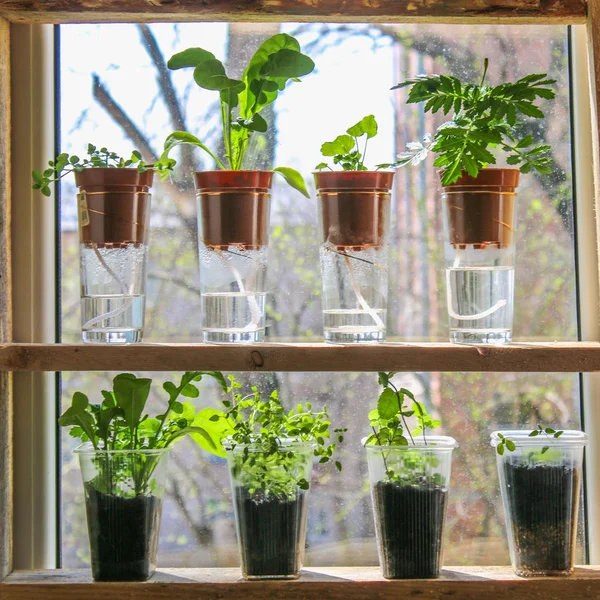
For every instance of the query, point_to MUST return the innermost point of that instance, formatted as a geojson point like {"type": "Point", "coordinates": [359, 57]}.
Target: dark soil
{"type": "Point", "coordinates": [410, 524]}
{"type": "Point", "coordinates": [543, 501]}
{"type": "Point", "coordinates": [272, 533]}
{"type": "Point", "coordinates": [123, 535]}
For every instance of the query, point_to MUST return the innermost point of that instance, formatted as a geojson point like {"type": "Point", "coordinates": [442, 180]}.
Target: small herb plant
{"type": "Point", "coordinates": [121, 423]}
{"type": "Point", "coordinates": [277, 61]}
{"type": "Point", "coordinates": [64, 164]}
{"type": "Point", "coordinates": [346, 150]}
{"type": "Point", "coordinates": [390, 428]}
{"type": "Point", "coordinates": [484, 117]}
{"type": "Point", "coordinates": [267, 464]}
{"type": "Point", "coordinates": [507, 444]}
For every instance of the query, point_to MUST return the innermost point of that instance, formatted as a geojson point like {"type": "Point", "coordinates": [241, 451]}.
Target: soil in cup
{"type": "Point", "coordinates": [123, 535]}
{"type": "Point", "coordinates": [272, 533]}
{"type": "Point", "coordinates": [410, 522]}
{"type": "Point", "coordinates": [543, 502]}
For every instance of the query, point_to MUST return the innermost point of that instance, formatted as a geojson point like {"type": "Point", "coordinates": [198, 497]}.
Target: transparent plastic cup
{"type": "Point", "coordinates": [409, 491]}
{"type": "Point", "coordinates": [270, 514]}
{"type": "Point", "coordinates": [124, 491]}
{"type": "Point", "coordinates": [540, 494]}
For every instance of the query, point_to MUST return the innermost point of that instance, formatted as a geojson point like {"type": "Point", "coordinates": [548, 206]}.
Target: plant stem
{"type": "Point", "coordinates": [400, 407]}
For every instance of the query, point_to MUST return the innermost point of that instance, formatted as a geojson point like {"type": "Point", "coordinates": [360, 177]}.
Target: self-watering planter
{"type": "Point", "coordinates": [540, 494]}
{"type": "Point", "coordinates": [233, 222]}
{"type": "Point", "coordinates": [270, 507]}
{"type": "Point", "coordinates": [114, 211]}
{"type": "Point", "coordinates": [354, 225]}
{"type": "Point", "coordinates": [479, 225]}
{"type": "Point", "coordinates": [409, 490]}
{"type": "Point", "coordinates": [123, 499]}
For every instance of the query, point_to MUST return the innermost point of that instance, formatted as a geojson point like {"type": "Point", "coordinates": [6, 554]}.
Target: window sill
{"type": "Point", "coordinates": [333, 583]}
{"type": "Point", "coordinates": [573, 357]}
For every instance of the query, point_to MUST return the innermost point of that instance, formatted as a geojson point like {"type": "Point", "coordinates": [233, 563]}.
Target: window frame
{"type": "Point", "coordinates": [41, 330]}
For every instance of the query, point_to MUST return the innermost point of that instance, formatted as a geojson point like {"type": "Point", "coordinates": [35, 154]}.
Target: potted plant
{"type": "Point", "coordinates": [123, 462]}
{"type": "Point", "coordinates": [540, 474]}
{"type": "Point", "coordinates": [113, 215]}
{"type": "Point", "coordinates": [354, 206]}
{"type": "Point", "coordinates": [270, 452]}
{"type": "Point", "coordinates": [409, 474]}
{"type": "Point", "coordinates": [479, 201]}
{"type": "Point", "coordinates": [233, 203]}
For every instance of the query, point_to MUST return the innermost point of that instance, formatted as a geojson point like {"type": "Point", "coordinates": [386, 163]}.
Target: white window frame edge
{"type": "Point", "coordinates": [587, 251]}
{"type": "Point", "coordinates": [34, 293]}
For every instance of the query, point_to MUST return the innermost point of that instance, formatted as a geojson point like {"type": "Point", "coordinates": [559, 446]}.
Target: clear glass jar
{"type": "Point", "coordinates": [479, 223]}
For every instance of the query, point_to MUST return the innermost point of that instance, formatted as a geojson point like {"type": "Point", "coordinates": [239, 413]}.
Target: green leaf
{"type": "Point", "coordinates": [500, 449]}
{"type": "Point", "coordinates": [131, 395]}
{"type": "Point", "coordinates": [511, 445]}
{"type": "Point", "coordinates": [190, 391]}
{"type": "Point", "coordinates": [294, 179]}
{"type": "Point", "coordinates": [256, 123]}
{"type": "Point", "coordinates": [526, 141]}
{"type": "Point", "coordinates": [367, 125]}
{"type": "Point", "coordinates": [191, 57]}
{"type": "Point", "coordinates": [216, 430]}
{"type": "Point", "coordinates": [78, 415]}
{"type": "Point", "coordinates": [182, 137]}
{"type": "Point", "coordinates": [341, 145]}
{"type": "Point", "coordinates": [104, 419]}
{"type": "Point", "coordinates": [387, 405]}
{"type": "Point", "coordinates": [210, 75]}
{"type": "Point", "coordinates": [286, 63]}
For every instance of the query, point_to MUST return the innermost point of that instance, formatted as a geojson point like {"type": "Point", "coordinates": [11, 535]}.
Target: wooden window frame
{"type": "Point", "coordinates": [349, 583]}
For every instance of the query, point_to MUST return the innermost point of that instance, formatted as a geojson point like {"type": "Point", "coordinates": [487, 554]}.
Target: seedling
{"type": "Point", "coordinates": [507, 444]}
{"type": "Point", "coordinates": [277, 61]}
{"type": "Point", "coordinates": [390, 428]}
{"type": "Point", "coordinates": [346, 148]}
{"type": "Point", "coordinates": [266, 426]}
{"type": "Point", "coordinates": [483, 117]}
{"type": "Point", "coordinates": [64, 164]}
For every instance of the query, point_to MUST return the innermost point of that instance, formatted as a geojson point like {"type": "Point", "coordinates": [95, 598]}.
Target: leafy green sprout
{"type": "Point", "coordinates": [277, 62]}
{"type": "Point", "coordinates": [390, 428]}
{"type": "Point", "coordinates": [508, 444]}
{"type": "Point", "coordinates": [97, 158]}
{"type": "Point", "coordinates": [346, 148]}
{"type": "Point", "coordinates": [484, 117]}
{"type": "Point", "coordinates": [264, 428]}
{"type": "Point", "coordinates": [120, 421]}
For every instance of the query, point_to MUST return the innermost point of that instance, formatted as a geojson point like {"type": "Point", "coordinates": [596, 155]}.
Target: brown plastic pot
{"type": "Point", "coordinates": [480, 210]}
{"type": "Point", "coordinates": [233, 207]}
{"type": "Point", "coordinates": [113, 205]}
{"type": "Point", "coordinates": [354, 207]}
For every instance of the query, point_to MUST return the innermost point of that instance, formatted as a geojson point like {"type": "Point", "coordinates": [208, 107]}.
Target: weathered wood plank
{"type": "Point", "coordinates": [456, 11]}
{"type": "Point", "coordinates": [333, 583]}
{"type": "Point", "coordinates": [540, 357]}
{"type": "Point", "coordinates": [6, 484]}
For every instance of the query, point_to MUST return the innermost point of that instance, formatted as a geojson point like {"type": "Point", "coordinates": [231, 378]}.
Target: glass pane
{"type": "Point", "coordinates": [120, 97]}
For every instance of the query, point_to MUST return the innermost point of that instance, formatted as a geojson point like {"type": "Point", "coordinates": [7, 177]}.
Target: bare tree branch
{"type": "Point", "coordinates": [120, 117]}
{"type": "Point", "coordinates": [167, 90]}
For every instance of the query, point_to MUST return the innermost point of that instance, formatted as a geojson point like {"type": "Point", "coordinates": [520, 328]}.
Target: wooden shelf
{"type": "Point", "coordinates": [531, 357]}
{"type": "Point", "coordinates": [416, 11]}
{"type": "Point", "coordinates": [333, 583]}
